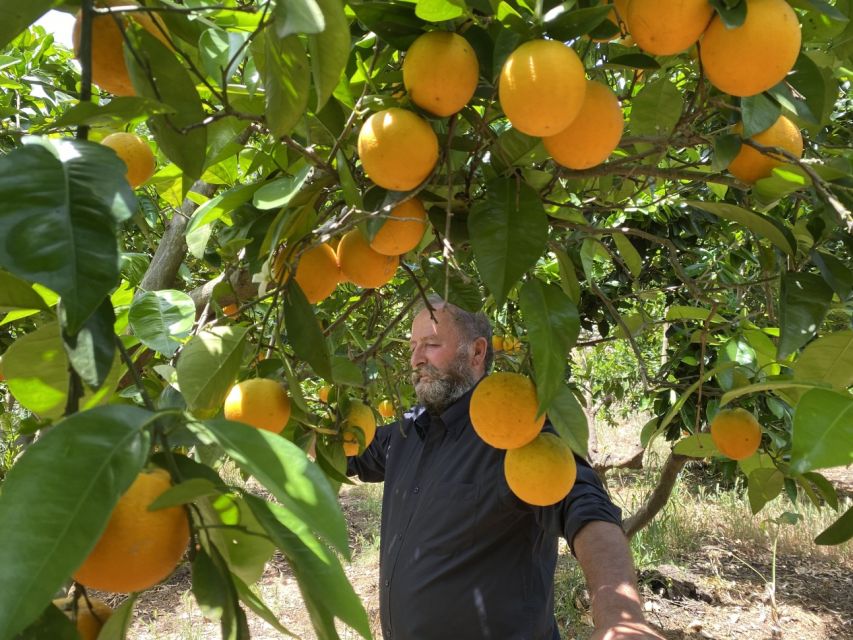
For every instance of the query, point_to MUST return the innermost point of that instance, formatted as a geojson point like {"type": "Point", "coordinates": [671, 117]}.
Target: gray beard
{"type": "Point", "coordinates": [443, 389]}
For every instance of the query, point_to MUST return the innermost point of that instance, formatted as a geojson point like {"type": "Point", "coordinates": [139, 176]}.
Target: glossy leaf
{"type": "Point", "coordinates": [656, 109]}
{"type": "Point", "coordinates": [329, 50]}
{"type": "Point", "coordinates": [18, 294]}
{"type": "Point", "coordinates": [159, 75]}
{"type": "Point", "coordinates": [758, 113]}
{"type": "Point", "coordinates": [17, 16]}
{"type": "Point", "coordinates": [75, 495]}
{"type": "Point", "coordinates": [569, 420]}
{"type": "Point", "coordinates": [764, 485]}
{"type": "Point", "coordinates": [58, 226]}
{"type": "Point", "coordinates": [92, 350]}
{"type": "Point", "coordinates": [697, 445]}
{"type": "Point", "coordinates": [216, 594]}
{"type": "Point", "coordinates": [118, 624]}
{"type": "Point", "coordinates": [208, 365]}
{"type": "Point", "coordinates": [828, 359]}
{"type": "Point", "coordinates": [298, 16]}
{"type": "Point", "coordinates": [823, 431]}
{"type": "Point", "coordinates": [630, 256]}
{"type": "Point", "coordinates": [281, 467]}
{"type": "Point", "coordinates": [783, 383]}
{"type": "Point", "coordinates": [304, 332]}
{"type": "Point", "coordinates": [254, 602]}
{"type": "Point", "coordinates": [805, 299]}
{"type": "Point", "coordinates": [162, 319]}
{"type": "Point", "coordinates": [567, 25]}
{"type": "Point", "coordinates": [460, 290]}
{"type": "Point", "coordinates": [836, 274]}
{"type": "Point", "coordinates": [184, 492]}
{"type": "Point", "coordinates": [119, 110]}
{"type": "Point", "coordinates": [283, 65]}
{"type": "Point", "coordinates": [553, 325]}
{"type": "Point", "coordinates": [508, 231]}
{"type": "Point", "coordinates": [759, 224]}
{"type": "Point", "coordinates": [839, 531]}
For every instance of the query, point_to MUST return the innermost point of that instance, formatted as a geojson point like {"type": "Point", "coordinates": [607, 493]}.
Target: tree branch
{"type": "Point", "coordinates": [659, 496]}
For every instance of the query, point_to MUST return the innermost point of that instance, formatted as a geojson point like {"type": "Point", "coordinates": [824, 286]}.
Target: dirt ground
{"type": "Point", "coordinates": [717, 592]}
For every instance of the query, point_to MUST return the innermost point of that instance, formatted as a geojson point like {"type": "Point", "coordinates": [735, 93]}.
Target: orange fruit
{"type": "Point", "coordinates": [736, 433]}
{"type": "Point", "coordinates": [230, 309]}
{"type": "Point", "coordinates": [109, 70]}
{"type": "Point", "coordinates": [398, 149]}
{"type": "Point", "coordinates": [541, 87]}
{"type": "Point", "coordinates": [260, 403]}
{"type": "Point", "coordinates": [503, 410]}
{"type": "Point", "coordinates": [497, 343]}
{"type": "Point", "coordinates": [755, 56]}
{"type": "Point", "coordinates": [324, 392]}
{"type": "Point", "coordinates": [386, 409]}
{"type": "Point", "coordinates": [360, 416]}
{"type": "Point", "coordinates": [139, 548]}
{"type": "Point", "coordinates": [541, 472]}
{"type": "Point", "coordinates": [317, 272]}
{"type": "Point", "coordinates": [593, 135]}
{"type": "Point", "coordinates": [91, 615]}
{"type": "Point", "coordinates": [750, 164]}
{"type": "Point", "coordinates": [440, 72]}
{"type": "Point", "coordinates": [667, 27]}
{"type": "Point", "coordinates": [511, 344]}
{"type": "Point", "coordinates": [362, 265]}
{"type": "Point", "coordinates": [402, 230]}
{"type": "Point", "coordinates": [136, 155]}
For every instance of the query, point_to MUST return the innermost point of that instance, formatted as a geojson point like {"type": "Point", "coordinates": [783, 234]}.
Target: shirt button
{"type": "Point", "coordinates": [416, 490]}
{"type": "Point", "coordinates": [387, 583]}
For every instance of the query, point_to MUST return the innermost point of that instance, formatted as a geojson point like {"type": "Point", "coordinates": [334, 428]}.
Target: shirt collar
{"type": "Point", "coordinates": [455, 417]}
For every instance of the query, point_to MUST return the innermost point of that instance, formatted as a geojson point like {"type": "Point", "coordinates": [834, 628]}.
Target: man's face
{"type": "Point", "coordinates": [442, 367]}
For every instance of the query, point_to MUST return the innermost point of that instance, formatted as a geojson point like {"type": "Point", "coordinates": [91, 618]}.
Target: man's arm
{"type": "Point", "coordinates": [617, 612]}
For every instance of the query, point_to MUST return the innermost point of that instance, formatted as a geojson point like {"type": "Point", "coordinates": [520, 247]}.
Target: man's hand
{"type": "Point", "coordinates": [627, 631]}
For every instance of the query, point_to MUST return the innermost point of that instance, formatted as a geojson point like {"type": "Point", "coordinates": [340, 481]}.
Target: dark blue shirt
{"type": "Point", "coordinates": [460, 555]}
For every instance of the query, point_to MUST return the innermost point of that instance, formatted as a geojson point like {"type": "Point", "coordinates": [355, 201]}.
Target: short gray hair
{"type": "Point", "coordinates": [470, 325]}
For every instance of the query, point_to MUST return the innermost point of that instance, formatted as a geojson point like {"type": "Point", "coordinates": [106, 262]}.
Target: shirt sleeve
{"type": "Point", "coordinates": [587, 502]}
{"type": "Point", "coordinates": [370, 465]}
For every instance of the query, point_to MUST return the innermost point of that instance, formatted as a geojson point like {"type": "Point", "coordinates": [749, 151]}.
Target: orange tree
{"type": "Point", "coordinates": [623, 230]}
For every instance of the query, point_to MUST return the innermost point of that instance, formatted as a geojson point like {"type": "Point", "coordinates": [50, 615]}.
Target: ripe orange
{"type": "Point", "coordinates": [230, 309]}
{"type": "Point", "coordinates": [360, 416]}
{"type": "Point", "coordinates": [398, 149]}
{"type": "Point", "coordinates": [756, 55]}
{"type": "Point", "coordinates": [542, 86]}
{"type": "Point", "coordinates": [362, 265]}
{"type": "Point", "coordinates": [667, 27]}
{"type": "Point", "coordinates": [386, 409]}
{"type": "Point", "coordinates": [497, 343]}
{"type": "Point", "coordinates": [136, 155]}
{"type": "Point", "coordinates": [750, 164]}
{"type": "Point", "coordinates": [317, 272]}
{"type": "Point", "coordinates": [440, 72]}
{"type": "Point", "coordinates": [736, 433]}
{"type": "Point", "coordinates": [511, 344]}
{"type": "Point", "coordinates": [89, 620]}
{"type": "Point", "coordinates": [403, 229]}
{"type": "Point", "coordinates": [503, 410]}
{"type": "Point", "coordinates": [109, 70]}
{"type": "Point", "coordinates": [593, 135]}
{"type": "Point", "coordinates": [139, 548]}
{"type": "Point", "coordinates": [324, 392]}
{"type": "Point", "coordinates": [260, 403]}
{"type": "Point", "coordinates": [541, 472]}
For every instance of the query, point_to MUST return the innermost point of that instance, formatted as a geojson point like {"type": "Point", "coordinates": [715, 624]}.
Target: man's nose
{"type": "Point", "coordinates": [417, 358]}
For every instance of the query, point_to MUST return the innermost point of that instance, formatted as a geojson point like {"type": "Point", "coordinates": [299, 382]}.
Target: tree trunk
{"type": "Point", "coordinates": [659, 496]}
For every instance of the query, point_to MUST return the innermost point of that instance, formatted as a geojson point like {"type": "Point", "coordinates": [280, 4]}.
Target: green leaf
{"type": "Point", "coordinates": [162, 319]}
{"type": "Point", "coordinates": [676, 406]}
{"type": "Point", "coordinates": [630, 256]}
{"type": "Point", "coordinates": [763, 486]}
{"type": "Point", "coordinates": [569, 420]}
{"type": "Point", "coordinates": [568, 276]}
{"type": "Point", "coordinates": [825, 487]}
{"type": "Point", "coordinates": [768, 385]}
{"type": "Point", "coordinates": [508, 230]}
{"type": "Point", "coordinates": [697, 445]}
{"type": "Point", "coordinates": [329, 50]}
{"type": "Point", "coordinates": [222, 52]}
{"type": "Point", "coordinates": [17, 16]}
{"type": "Point", "coordinates": [216, 594]}
{"type": "Point", "coordinates": [805, 299]}
{"type": "Point", "coordinates": [118, 624]}
{"type": "Point", "coordinates": [242, 543]}
{"type": "Point", "coordinates": [159, 75]}
{"type": "Point", "coordinates": [731, 13]}
{"type": "Point", "coordinates": [633, 61]}
{"type": "Point", "coordinates": [304, 332]}
{"type": "Point", "coordinates": [118, 111]}
{"type": "Point", "coordinates": [324, 585]}
{"type": "Point", "coordinates": [36, 369]}
{"type": "Point", "coordinates": [759, 224]}
{"type": "Point", "coordinates": [281, 467]}
{"type": "Point", "coordinates": [680, 312]}
{"type": "Point", "coordinates": [18, 294]}
{"type": "Point", "coordinates": [553, 325]}
{"type": "Point", "coordinates": [828, 359]}
{"type": "Point", "coordinates": [567, 25]}
{"type": "Point", "coordinates": [346, 372]}
{"type": "Point", "coordinates": [823, 431]}
{"type": "Point", "coordinates": [60, 202]}
{"type": "Point", "coordinates": [75, 495]}
{"type": "Point", "coordinates": [395, 23]}
{"type": "Point", "coordinates": [758, 113]}
{"type": "Point", "coordinates": [279, 192]}
{"type": "Point", "coordinates": [835, 272]}
{"type": "Point", "coordinates": [254, 602]}
{"type": "Point", "coordinates": [839, 531]}
{"type": "Point", "coordinates": [92, 350]}
{"type": "Point", "coordinates": [461, 290]}
{"type": "Point", "coordinates": [208, 365]}
{"type": "Point", "coordinates": [184, 492]}
{"type": "Point", "coordinates": [657, 108]}
{"type": "Point", "coordinates": [52, 624]}
{"type": "Point", "coordinates": [726, 148]}
{"type": "Point", "coordinates": [283, 65]}
{"type": "Point", "coordinates": [298, 16]}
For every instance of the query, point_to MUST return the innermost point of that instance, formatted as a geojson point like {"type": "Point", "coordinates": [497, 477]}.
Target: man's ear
{"type": "Point", "coordinates": [478, 355]}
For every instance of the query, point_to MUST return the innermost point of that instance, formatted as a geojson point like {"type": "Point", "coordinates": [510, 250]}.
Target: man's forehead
{"type": "Point", "coordinates": [424, 323]}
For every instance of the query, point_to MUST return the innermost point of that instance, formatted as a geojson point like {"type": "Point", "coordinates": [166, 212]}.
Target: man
{"type": "Point", "coordinates": [460, 556]}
